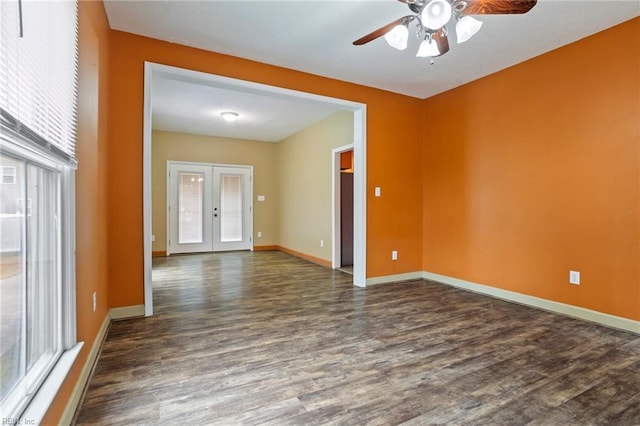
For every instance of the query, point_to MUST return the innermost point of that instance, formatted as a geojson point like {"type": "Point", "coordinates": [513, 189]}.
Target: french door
{"type": "Point", "coordinates": [209, 208]}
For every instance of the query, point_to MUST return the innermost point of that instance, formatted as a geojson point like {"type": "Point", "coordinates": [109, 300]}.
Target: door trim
{"type": "Point", "coordinates": [359, 153]}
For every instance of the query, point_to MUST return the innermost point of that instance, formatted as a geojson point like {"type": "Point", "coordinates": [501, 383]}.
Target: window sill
{"type": "Point", "coordinates": [37, 408]}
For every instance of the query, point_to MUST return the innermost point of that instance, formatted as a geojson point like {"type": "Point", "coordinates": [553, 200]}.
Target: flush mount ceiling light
{"type": "Point", "coordinates": [432, 17]}
{"type": "Point", "coordinates": [229, 116]}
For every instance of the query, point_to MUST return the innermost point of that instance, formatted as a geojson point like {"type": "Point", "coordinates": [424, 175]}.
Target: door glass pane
{"type": "Point", "coordinates": [190, 208]}
{"type": "Point", "coordinates": [230, 208]}
{"type": "Point", "coordinates": [12, 278]}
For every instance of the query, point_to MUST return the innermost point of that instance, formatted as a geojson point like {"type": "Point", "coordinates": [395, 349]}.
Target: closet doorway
{"type": "Point", "coordinates": [343, 208]}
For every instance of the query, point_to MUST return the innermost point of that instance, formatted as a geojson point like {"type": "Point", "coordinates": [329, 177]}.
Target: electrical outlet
{"type": "Point", "coordinates": [574, 277]}
{"type": "Point", "coordinates": [394, 255]}
{"type": "Point", "coordinates": [321, 243]}
{"type": "Point", "coordinates": [95, 299]}
{"type": "Point", "coordinates": [377, 191]}
{"type": "Point", "coordinates": [259, 234]}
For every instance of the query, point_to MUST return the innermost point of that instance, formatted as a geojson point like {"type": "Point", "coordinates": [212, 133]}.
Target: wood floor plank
{"type": "Point", "coordinates": [266, 338]}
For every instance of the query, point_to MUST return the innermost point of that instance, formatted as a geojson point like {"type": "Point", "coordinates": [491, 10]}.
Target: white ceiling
{"type": "Point", "coordinates": [194, 106]}
{"type": "Point", "coordinates": [317, 36]}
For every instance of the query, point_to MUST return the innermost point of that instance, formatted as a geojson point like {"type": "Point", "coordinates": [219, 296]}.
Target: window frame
{"type": "Point", "coordinates": [32, 409]}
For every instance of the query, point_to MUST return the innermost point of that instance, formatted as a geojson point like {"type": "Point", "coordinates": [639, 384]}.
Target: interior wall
{"type": "Point", "coordinates": [91, 189]}
{"type": "Point", "coordinates": [305, 190]}
{"type": "Point", "coordinates": [346, 160]}
{"type": "Point", "coordinates": [534, 171]}
{"type": "Point", "coordinates": [393, 156]}
{"type": "Point", "coordinates": [526, 186]}
{"type": "Point", "coordinates": [207, 149]}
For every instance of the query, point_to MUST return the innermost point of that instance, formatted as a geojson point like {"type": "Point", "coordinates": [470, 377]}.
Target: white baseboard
{"type": "Point", "coordinates": [76, 395]}
{"type": "Point", "coordinates": [127, 312]}
{"type": "Point", "coordinates": [536, 302]}
{"type": "Point", "coordinates": [394, 278]}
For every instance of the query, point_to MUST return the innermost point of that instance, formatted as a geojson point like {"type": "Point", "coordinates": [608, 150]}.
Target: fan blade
{"type": "Point", "coordinates": [498, 7]}
{"type": "Point", "coordinates": [382, 30]}
{"type": "Point", "coordinates": [442, 41]}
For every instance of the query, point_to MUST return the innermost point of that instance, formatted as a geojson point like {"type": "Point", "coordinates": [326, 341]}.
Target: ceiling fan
{"type": "Point", "coordinates": [431, 17]}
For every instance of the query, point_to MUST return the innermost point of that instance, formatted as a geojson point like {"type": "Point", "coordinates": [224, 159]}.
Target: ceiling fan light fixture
{"type": "Point", "coordinates": [398, 37]}
{"type": "Point", "coordinates": [436, 14]}
{"type": "Point", "coordinates": [467, 27]}
{"type": "Point", "coordinates": [229, 116]}
{"type": "Point", "coordinates": [427, 48]}
{"type": "Point", "coordinates": [434, 21]}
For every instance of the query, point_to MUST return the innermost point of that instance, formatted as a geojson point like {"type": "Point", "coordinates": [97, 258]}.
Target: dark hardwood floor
{"type": "Point", "coordinates": [266, 338]}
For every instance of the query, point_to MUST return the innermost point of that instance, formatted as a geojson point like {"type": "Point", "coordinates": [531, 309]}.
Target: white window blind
{"type": "Point", "coordinates": [38, 73]}
{"type": "Point", "coordinates": [231, 214]}
{"type": "Point", "coordinates": [191, 208]}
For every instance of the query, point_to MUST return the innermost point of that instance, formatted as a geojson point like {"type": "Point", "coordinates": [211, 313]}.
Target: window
{"type": "Point", "coordinates": [30, 258]}
{"type": "Point", "coordinates": [8, 175]}
{"type": "Point", "coordinates": [38, 79]}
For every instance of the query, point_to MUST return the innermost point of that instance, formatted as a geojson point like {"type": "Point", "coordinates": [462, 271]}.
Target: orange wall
{"type": "Point", "coordinates": [346, 160]}
{"type": "Point", "coordinates": [534, 171]}
{"type": "Point", "coordinates": [394, 221]}
{"type": "Point", "coordinates": [503, 205]}
{"type": "Point", "coordinates": [91, 203]}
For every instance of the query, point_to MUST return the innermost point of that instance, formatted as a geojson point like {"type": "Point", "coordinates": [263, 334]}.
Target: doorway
{"type": "Point", "coordinates": [343, 208]}
{"type": "Point", "coordinates": [208, 207]}
{"type": "Point", "coordinates": [346, 211]}
{"type": "Point", "coordinates": [154, 70]}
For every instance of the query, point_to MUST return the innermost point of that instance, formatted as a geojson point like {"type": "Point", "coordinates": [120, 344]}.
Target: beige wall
{"type": "Point", "coordinates": [305, 184]}
{"type": "Point", "coordinates": [205, 149]}
{"type": "Point", "coordinates": [294, 175]}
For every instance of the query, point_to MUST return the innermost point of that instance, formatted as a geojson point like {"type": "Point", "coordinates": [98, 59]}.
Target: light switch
{"type": "Point", "coordinates": [377, 191]}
